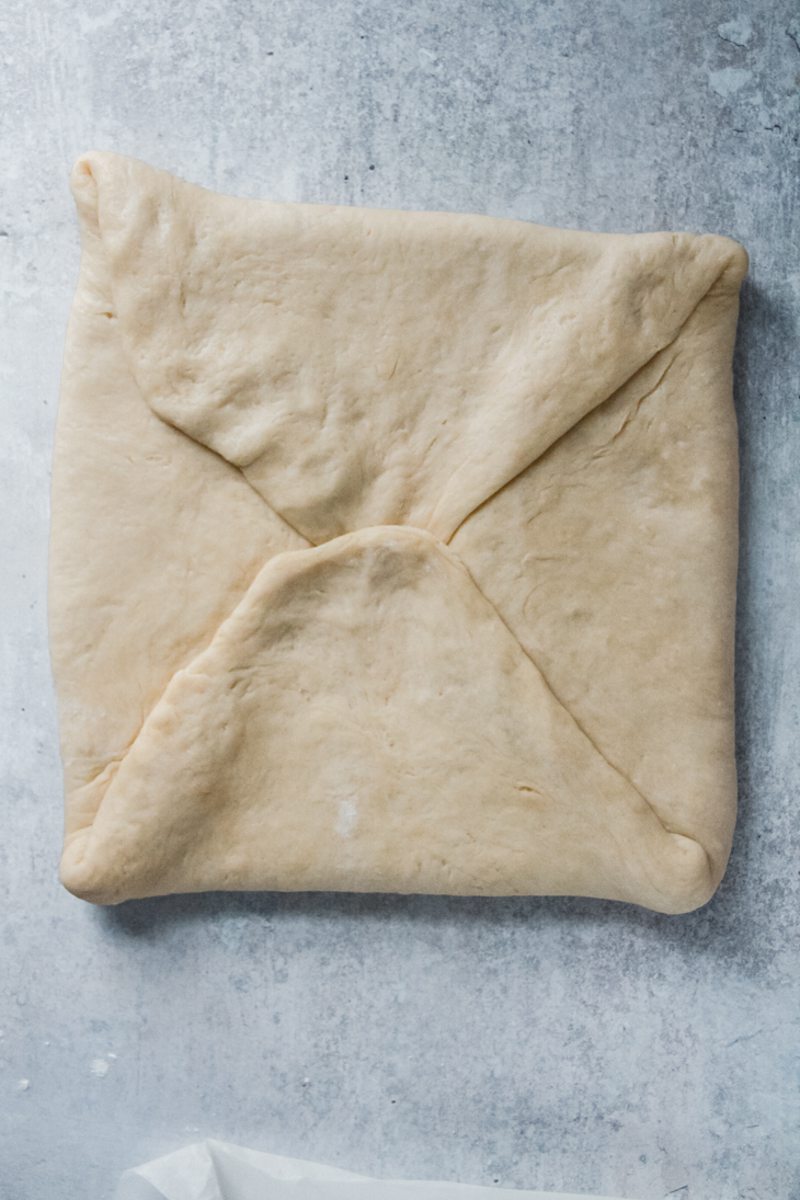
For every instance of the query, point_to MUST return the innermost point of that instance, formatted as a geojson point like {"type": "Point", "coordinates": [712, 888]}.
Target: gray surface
{"type": "Point", "coordinates": [550, 1043]}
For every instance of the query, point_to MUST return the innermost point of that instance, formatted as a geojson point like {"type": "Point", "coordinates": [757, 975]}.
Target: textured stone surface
{"type": "Point", "coordinates": [550, 1043]}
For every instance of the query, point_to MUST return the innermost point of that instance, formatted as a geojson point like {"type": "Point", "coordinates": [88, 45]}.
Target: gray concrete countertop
{"type": "Point", "coordinates": [550, 1043]}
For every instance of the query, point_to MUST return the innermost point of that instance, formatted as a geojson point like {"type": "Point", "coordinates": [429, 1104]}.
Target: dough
{"type": "Point", "coordinates": [392, 551]}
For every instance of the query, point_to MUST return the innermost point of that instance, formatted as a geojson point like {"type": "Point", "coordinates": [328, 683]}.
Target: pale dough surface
{"type": "Point", "coordinates": [392, 551]}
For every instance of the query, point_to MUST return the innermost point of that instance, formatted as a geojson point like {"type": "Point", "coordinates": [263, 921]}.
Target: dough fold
{"type": "Point", "coordinates": [392, 551]}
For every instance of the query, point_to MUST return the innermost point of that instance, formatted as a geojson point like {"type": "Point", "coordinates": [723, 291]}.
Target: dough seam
{"type": "Point", "coordinates": [625, 383]}
{"type": "Point", "coordinates": [672, 832]}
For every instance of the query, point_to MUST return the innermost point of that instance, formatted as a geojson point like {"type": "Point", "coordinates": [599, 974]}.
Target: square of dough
{"type": "Point", "coordinates": [392, 551]}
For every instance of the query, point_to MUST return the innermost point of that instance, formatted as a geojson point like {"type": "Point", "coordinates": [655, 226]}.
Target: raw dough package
{"type": "Point", "coordinates": [392, 551]}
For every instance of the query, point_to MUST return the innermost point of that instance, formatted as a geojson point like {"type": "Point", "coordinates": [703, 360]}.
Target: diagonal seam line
{"type": "Point", "coordinates": [309, 545]}
{"type": "Point", "coordinates": [642, 367]}
{"type": "Point", "coordinates": [572, 716]}
{"type": "Point", "coordinates": [195, 441]}
{"type": "Point", "coordinates": [115, 762]}
{"type": "Point", "coordinates": [231, 465]}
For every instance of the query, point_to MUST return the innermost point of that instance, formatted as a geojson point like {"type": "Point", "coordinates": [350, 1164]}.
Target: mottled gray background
{"type": "Point", "coordinates": [559, 1044]}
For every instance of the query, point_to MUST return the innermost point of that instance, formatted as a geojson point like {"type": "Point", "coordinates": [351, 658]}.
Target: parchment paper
{"type": "Point", "coordinates": [212, 1170]}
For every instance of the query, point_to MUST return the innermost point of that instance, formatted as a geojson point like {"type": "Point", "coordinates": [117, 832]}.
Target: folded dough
{"type": "Point", "coordinates": [392, 551]}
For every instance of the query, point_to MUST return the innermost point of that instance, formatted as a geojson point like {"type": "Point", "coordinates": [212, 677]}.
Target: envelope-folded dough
{"type": "Point", "coordinates": [392, 551]}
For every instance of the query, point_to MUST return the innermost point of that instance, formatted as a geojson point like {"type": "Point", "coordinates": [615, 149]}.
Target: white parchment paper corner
{"type": "Point", "coordinates": [212, 1170]}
